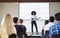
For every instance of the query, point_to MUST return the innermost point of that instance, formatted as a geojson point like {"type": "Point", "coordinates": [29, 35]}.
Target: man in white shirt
{"type": "Point", "coordinates": [51, 22]}
{"type": "Point", "coordinates": [46, 28]}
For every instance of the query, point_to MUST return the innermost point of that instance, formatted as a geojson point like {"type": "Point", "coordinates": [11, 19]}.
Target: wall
{"type": "Point", "coordinates": [54, 8]}
{"type": "Point", "coordinates": [29, 0]}
{"type": "Point", "coordinates": [11, 8]}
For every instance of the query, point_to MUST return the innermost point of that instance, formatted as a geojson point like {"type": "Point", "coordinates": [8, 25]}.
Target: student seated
{"type": "Point", "coordinates": [46, 22]}
{"type": "Point", "coordinates": [8, 24]}
{"type": "Point", "coordinates": [21, 29]}
{"type": "Point", "coordinates": [15, 20]}
{"type": "Point", "coordinates": [54, 30]}
{"type": "Point", "coordinates": [51, 22]}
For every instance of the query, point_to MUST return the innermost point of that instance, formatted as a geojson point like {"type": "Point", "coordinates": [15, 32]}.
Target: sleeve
{"type": "Point", "coordinates": [36, 18]}
{"type": "Point", "coordinates": [15, 30]}
{"type": "Point", "coordinates": [3, 33]}
{"type": "Point", "coordinates": [24, 28]}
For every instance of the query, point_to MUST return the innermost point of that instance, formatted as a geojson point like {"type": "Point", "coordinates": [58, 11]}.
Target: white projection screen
{"type": "Point", "coordinates": [42, 10]}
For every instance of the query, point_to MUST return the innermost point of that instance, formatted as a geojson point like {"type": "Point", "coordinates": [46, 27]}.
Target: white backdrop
{"type": "Point", "coordinates": [42, 10]}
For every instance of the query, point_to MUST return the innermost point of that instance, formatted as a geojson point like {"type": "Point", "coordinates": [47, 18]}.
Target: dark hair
{"type": "Point", "coordinates": [57, 16]}
{"type": "Point", "coordinates": [33, 12]}
{"type": "Point", "coordinates": [21, 21]}
{"type": "Point", "coordinates": [46, 22]}
{"type": "Point", "coordinates": [51, 19]}
{"type": "Point", "coordinates": [15, 19]}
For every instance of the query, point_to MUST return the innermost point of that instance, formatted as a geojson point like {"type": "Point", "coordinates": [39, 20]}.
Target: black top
{"type": "Point", "coordinates": [20, 29]}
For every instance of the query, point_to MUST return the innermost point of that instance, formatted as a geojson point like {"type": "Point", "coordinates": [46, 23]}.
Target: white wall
{"type": "Point", "coordinates": [54, 8]}
{"type": "Point", "coordinates": [11, 8]}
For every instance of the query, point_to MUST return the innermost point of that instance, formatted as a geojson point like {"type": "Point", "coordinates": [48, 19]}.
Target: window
{"type": "Point", "coordinates": [42, 10]}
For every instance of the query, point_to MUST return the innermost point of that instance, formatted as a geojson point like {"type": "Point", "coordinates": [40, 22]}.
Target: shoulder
{"type": "Point", "coordinates": [23, 25]}
{"type": "Point", "coordinates": [16, 25]}
{"type": "Point", "coordinates": [52, 27]}
{"type": "Point", "coordinates": [55, 25]}
{"type": "Point", "coordinates": [46, 25]}
{"type": "Point", "coordinates": [20, 26]}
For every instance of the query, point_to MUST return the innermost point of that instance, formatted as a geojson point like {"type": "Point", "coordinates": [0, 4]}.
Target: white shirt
{"type": "Point", "coordinates": [48, 26]}
{"type": "Point", "coordinates": [33, 18]}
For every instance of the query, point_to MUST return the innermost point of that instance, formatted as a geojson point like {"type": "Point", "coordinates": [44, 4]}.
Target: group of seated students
{"type": "Point", "coordinates": [52, 27]}
{"type": "Point", "coordinates": [20, 28]}
{"type": "Point", "coordinates": [8, 29]}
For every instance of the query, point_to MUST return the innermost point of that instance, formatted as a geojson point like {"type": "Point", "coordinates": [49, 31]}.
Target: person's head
{"type": "Point", "coordinates": [8, 24]}
{"type": "Point", "coordinates": [21, 21]}
{"type": "Point", "coordinates": [33, 13]}
{"type": "Point", "coordinates": [57, 16]}
{"type": "Point", "coordinates": [15, 19]}
{"type": "Point", "coordinates": [51, 19]}
{"type": "Point", "coordinates": [8, 18]}
{"type": "Point", "coordinates": [46, 22]}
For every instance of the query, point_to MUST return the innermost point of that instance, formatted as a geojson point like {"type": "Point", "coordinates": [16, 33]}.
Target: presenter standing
{"type": "Point", "coordinates": [33, 21]}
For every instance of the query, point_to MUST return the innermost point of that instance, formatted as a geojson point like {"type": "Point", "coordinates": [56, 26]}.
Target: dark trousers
{"type": "Point", "coordinates": [42, 34]}
{"type": "Point", "coordinates": [21, 36]}
{"type": "Point", "coordinates": [12, 36]}
{"type": "Point", "coordinates": [46, 34]}
{"type": "Point", "coordinates": [34, 23]}
{"type": "Point", "coordinates": [56, 36]}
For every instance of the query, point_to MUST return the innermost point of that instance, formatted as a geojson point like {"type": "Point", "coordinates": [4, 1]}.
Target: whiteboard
{"type": "Point", "coordinates": [42, 10]}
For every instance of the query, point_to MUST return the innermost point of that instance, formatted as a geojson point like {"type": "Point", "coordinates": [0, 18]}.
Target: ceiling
{"type": "Point", "coordinates": [29, 0]}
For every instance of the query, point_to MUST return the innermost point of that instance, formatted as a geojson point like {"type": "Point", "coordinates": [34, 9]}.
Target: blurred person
{"type": "Point", "coordinates": [21, 29]}
{"type": "Point", "coordinates": [3, 32]}
{"type": "Point", "coordinates": [33, 21]}
{"type": "Point", "coordinates": [15, 20]}
{"type": "Point", "coordinates": [51, 22]}
{"type": "Point", "coordinates": [8, 24]}
{"type": "Point", "coordinates": [54, 30]}
{"type": "Point", "coordinates": [46, 22]}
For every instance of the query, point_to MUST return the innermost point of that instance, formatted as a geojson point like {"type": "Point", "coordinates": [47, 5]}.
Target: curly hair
{"type": "Point", "coordinates": [33, 13]}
